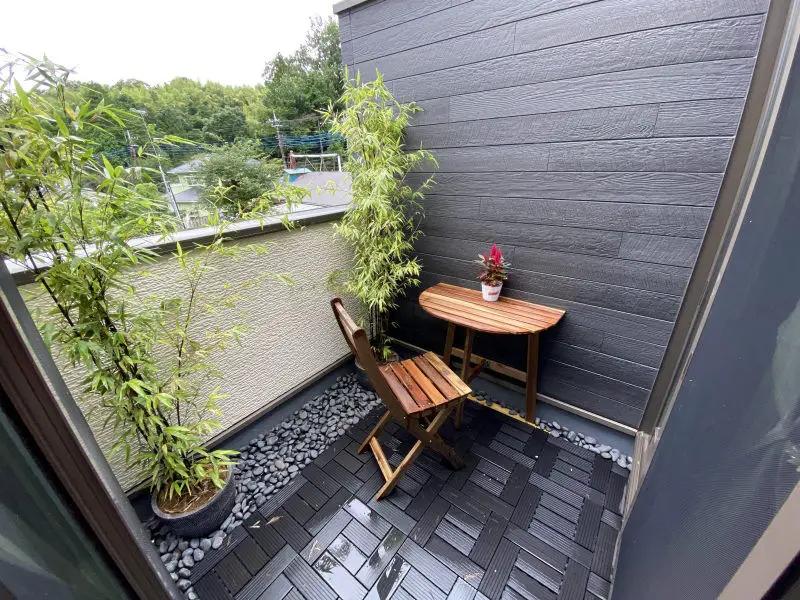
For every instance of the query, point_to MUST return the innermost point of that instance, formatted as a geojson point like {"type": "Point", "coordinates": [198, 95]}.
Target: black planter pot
{"type": "Point", "coordinates": [205, 519]}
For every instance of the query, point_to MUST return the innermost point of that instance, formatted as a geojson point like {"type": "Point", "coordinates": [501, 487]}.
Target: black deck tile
{"type": "Point", "coordinates": [252, 556]}
{"type": "Point", "coordinates": [488, 430]}
{"type": "Point", "coordinates": [510, 441]}
{"type": "Point", "coordinates": [433, 464]}
{"type": "Point", "coordinates": [459, 478]}
{"type": "Point", "coordinates": [515, 432]}
{"type": "Point", "coordinates": [274, 503]}
{"type": "Point", "coordinates": [526, 506]}
{"type": "Point", "coordinates": [290, 530]}
{"type": "Point", "coordinates": [317, 522]}
{"type": "Point", "coordinates": [604, 552]}
{"type": "Point", "coordinates": [427, 494]}
{"type": "Point", "coordinates": [469, 505]}
{"type": "Point", "coordinates": [312, 495]}
{"type": "Point", "coordinates": [539, 548]}
{"type": "Point", "coordinates": [462, 591]}
{"type": "Point", "coordinates": [565, 444]}
{"type": "Point", "coordinates": [399, 498]}
{"type": "Point", "coordinates": [417, 473]}
{"type": "Point", "coordinates": [487, 483]}
{"type": "Point", "coordinates": [344, 477]}
{"type": "Point", "coordinates": [557, 490]}
{"type": "Point", "coordinates": [370, 519]}
{"type": "Point", "coordinates": [402, 594]}
{"type": "Point", "coordinates": [588, 523]}
{"type": "Point", "coordinates": [590, 596]}
{"type": "Point", "coordinates": [571, 484]}
{"type": "Point", "coordinates": [577, 461]}
{"type": "Point", "coordinates": [569, 512]}
{"type": "Point", "coordinates": [265, 534]}
{"type": "Point", "coordinates": [379, 559]}
{"type": "Point", "coordinates": [254, 589]}
{"type": "Point", "coordinates": [421, 588]}
{"type": "Point", "coordinates": [394, 515]}
{"type": "Point", "coordinates": [600, 474]}
{"type": "Point", "coordinates": [575, 580]}
{"type": "Point", "coordinates": [488, 540]}
{"type": "Point", "coordinates": [527, 587]}
{"type": "Point", "coordinates": [622, 471]}
{"type": "Point", "coordinates": [353, 447]}
{"type": "Point", "coordinates": [455, 537]}
{"type": "Point", "coordinates": [213, 556]}
{"type": "Point", "coordinates": [616, 490]}
{"type": "Point", "coordinates": [307, 581]}
{"type": "Point", "coordinates": [326, 535]}
{"type": "Point", "coordinates": [598, 586]}
{"type": "Point", "coordinates": [294, 594]}
{"type": "Point", "coordinates": [361, 537]}
{"type": "Point", "coordinates": [539, 570]}
{"type": "Point", "coordinates": [327, 484]}
{"type": "Point", "coordinates": [388, 583]}
{"type": "Point", "coordinates": [331, 451]}
{"type": "Point", "coordinates": [514, 455]}
{"type": "Point", "coordinates": [499, 569]}
{"type": "Point", "coordinates": [515, 484]}
{"type": "Point", "coordinates": [346, 552]}
{"type": "Point", "coordinates": [367, 470]}
{"type": "Point", "coordinates": [427, 564]}
{"type": "Point", "coordinates": [535, 444]}
{"type": "Point", "coordinates": [493, 471]}
{"type": "Point", "coordinates": [512, 594]}
{"type": "Point", "coordinates": [547, 458]}
{"type": "Point", "coordinates": [409, 485]}
{"type": "Point", "coordinates": [278, 589]}
{"type": "Point", "coordinates": [371, 486]}
{"type": "Point", "coordinates": [298, 509]}
{"type": "Point", "coordinates": [339, 578]}
{"type": "Point", "coordinates": [493, 456]}
{"type": "Point", "coordinates": [460, 564]}
{"type": "Point", "coordinates": [490, 501]}
{"type": "Point", "coordinates": [210, 587]}
{"type": "Point", "coordinates": [469, 525]}
{"type": "Point", "coordinates": [556, 522]}
{"type": "Point", "coordinates": [611, 518]}
{"type": "Point", "coordinates": [561, 543]}
{"type": "Point", "coordinates": [233, 573]}
{"type": "Point", "coordinates": [572, 471]}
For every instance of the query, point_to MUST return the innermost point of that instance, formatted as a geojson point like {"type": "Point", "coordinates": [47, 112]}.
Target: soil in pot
{"type": "Point", "coordinates": [178, 505]}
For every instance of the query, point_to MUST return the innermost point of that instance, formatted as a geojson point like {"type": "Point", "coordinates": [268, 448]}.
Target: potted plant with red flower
{"type": "Point", "coordinates": [495, 272]}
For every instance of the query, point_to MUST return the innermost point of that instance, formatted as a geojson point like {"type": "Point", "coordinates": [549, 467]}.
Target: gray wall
{"type": "Point", "coordinates": [588, 139]}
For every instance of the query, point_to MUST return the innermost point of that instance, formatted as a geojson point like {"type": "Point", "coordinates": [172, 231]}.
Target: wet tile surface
{"type": "Point", "coordinates": [530, 516]}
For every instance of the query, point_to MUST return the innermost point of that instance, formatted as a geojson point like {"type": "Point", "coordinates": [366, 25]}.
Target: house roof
{"type": "Point", "coordinates": [191, 166]}
{"type": "Point", "coordinates": [190, 194]}
{"type": "Point", "coordinates": [346, 5]}
{"type": "Point", "coordinates": [328, 188]}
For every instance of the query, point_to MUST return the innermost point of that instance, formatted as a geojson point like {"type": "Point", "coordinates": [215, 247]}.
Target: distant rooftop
{"type": "Point", "coordinates": [328, 188]}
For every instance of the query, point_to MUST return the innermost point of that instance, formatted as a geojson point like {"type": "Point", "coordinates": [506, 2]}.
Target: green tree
{"type": "Point", "coordinates": [310, 79]}
{"type": "Point", "coordinates": [241, 169]}
{"type": "Point", "coordinates": [225, 125]}
{"type": "Point", "coordinates": [380, 222]}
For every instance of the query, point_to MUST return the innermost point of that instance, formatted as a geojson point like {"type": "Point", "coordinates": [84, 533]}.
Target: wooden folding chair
{"type": "Point", "coordinates": [419, 393]}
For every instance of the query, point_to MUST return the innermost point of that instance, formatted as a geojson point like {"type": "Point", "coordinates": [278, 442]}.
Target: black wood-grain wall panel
{"type": "Point", "coordinates": [588, 138]}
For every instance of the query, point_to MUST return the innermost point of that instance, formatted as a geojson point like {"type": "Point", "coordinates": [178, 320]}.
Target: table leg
{"type": "Point", "coordinates": [466, 361]}
{"type": "Point", "coordinates": [532, 375]}
{"type": "Point", "coordinates": [448, 343]}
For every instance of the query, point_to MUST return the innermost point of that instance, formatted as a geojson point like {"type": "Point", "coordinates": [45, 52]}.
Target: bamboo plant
{"type": "Point", "coordinates": [381, 223]}
{"type": "Point", "coordinates": [77, 222]}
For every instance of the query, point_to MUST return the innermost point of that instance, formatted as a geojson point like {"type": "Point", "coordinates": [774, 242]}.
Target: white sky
{"type": "Point", "coordinates": [226, 41]}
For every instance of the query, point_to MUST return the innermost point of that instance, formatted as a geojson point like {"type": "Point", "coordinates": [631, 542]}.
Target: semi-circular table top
{"type": "Point", "coordinates": [467, 308]}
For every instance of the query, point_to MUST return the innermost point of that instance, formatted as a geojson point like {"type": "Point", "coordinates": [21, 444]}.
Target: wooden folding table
{"type": "Point", "coordinates": [464, 307]}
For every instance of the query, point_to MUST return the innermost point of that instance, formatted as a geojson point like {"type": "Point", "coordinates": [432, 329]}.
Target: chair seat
{"type": "Point", "coordinates": [424, 384]}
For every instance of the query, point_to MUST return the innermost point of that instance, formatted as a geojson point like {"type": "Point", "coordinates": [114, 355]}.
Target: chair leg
{"type": "Point", "coordinates": [426, 436]}
{"type": "Point", "coordinates": [376, 431]}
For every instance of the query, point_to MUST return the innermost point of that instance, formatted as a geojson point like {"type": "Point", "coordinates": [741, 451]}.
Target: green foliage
{"type": "Point", "coordinates": [379, 224]}
{"type": "Point", "coordinates": [248, 178]}
{"type": "Point", "coordinates": [310, 79]}
{"type": "Point", "coordinates": [225, 125]}
{"type": "Point", "coordinates": [145, 364]}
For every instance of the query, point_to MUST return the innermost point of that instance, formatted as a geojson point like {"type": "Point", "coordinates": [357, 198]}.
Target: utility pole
{"type": "Point", "coordinates": [277, 125]}
{"type": "Point", "coordinates": [167, 187]}
{"type": "Point", "coordinates": [321, 151]}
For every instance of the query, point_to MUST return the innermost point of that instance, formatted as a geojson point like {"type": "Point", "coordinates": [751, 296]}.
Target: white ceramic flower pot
{"type": "Point", "coordinates": [491, 292]}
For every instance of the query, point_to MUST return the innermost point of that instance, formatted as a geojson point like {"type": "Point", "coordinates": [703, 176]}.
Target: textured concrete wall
{"type": "Point", "coordinates": [588, 139]}
{"type": "Point", "coordinates": [292, 336]}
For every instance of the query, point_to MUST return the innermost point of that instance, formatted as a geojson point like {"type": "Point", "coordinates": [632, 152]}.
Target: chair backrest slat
{"type": "Point", "coordinates": [359, 343]}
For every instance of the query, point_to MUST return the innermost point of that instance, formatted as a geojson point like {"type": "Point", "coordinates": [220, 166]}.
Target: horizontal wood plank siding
{"type": "Point", "coordinates": [588, 138]}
